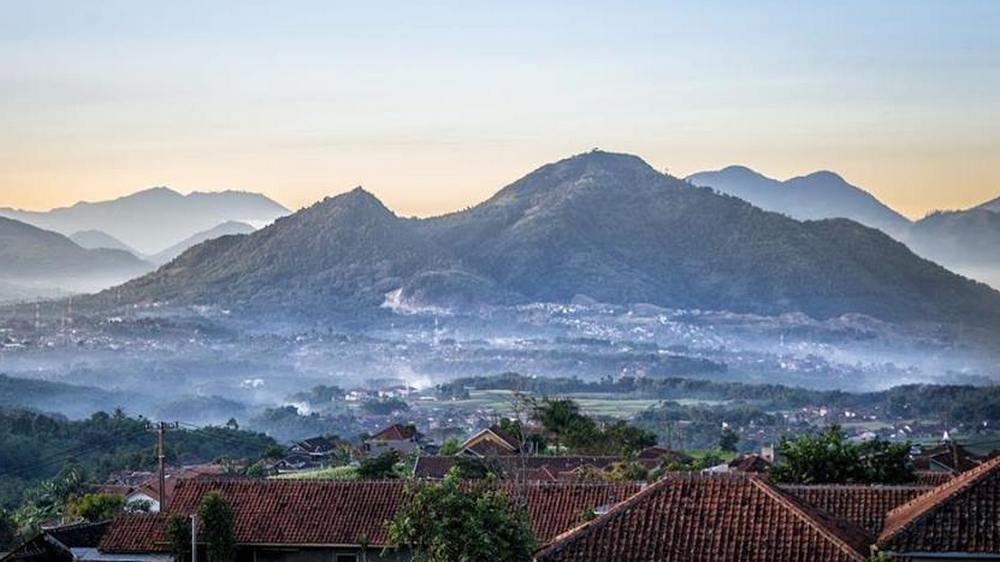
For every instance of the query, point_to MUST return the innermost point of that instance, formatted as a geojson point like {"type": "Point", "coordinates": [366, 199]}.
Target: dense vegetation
{"type": "Point", "coordinates": [451, 521]}
{"type": "Point", "coordinates": [831, 458]}
{"type": "Point", "coordinates": [35, 447]}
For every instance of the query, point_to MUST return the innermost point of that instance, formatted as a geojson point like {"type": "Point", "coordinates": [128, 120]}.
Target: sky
{"type": "Point", "coordinates": [434, 106]}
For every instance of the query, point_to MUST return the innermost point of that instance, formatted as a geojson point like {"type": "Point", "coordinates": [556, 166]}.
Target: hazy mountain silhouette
{"type": "Point", "coordinates": [819, 195]}
{"type": "Point", "coordinates": [38, 262]}
{"type": "Point", "coordinates": [225, 229]}
{"type": "Point", "coordinates": [599, 224]}
{"type": "Point", "coordinates": [94, 239]}
{"type": "Point", "coordinates": [964, 241]}
{"type": "Point", "coordinates": [157, 218]}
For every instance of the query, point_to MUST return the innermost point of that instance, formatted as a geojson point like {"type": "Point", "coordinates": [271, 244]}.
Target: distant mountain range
{"type": "Point", "coordinates": [965, 241]}
{"type": "Point", "coordinates": [94, 239]}
{"type": "Point", "coordinates": [601, 225]}
{"type": "Point", "coordinates": [40, 263]}
{"type": "Point", "coordinates": [153, 220]}
{"type": "Point", "coordinates": [820, 195]}
{"type": "Point", "coordinates": [225, 229]}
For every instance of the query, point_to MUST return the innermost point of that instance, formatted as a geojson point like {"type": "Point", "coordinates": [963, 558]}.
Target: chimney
{"type": "Point", "coordinates": [767, 453]}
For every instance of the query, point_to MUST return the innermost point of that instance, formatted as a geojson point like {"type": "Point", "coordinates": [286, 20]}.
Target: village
{"type": "Point", "coordinates": [328, 498]}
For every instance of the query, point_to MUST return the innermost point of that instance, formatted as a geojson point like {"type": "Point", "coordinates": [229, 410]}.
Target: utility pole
{"type": "Point", "coordinates": [194, 538]}
{"type": "Point", "coordinates": [161, 430]}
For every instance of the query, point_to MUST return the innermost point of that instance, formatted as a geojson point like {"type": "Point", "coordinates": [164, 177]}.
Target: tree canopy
{"type": "Point", "coordinates": [830, 458]}
{"type": "Point", "coordinates": [450, 521]}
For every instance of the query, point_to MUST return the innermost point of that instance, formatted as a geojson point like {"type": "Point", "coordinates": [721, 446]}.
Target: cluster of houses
{"type": "Point", "coordinates": [731, 512]}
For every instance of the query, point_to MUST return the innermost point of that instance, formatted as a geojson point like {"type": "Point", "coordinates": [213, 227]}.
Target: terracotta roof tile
{"type": "Point", "coordinates": [334, 513]}
{"type": "Point", "coordinates": [396, 432]}
{"type": "Point", "coordinates": [930, 478]}
{"type": "Point", "coordinates": [959, 516]}
{"type": "Point", "coordinates": [864, 506]}
{"type": "Point", "coordinates": [711, 517]}
{"type": "Point", "coordinates": [140, 532]}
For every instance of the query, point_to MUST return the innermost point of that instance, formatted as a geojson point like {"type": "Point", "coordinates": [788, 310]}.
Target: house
{"type": "Point", "coordinates": [144, 487]}
{"type": "Point", "coordinates": [948, 457]}
{"type": "Point", "coordinates": [296, 521]}
{"type": "Point", "coordinates": [754, 464]}
{"type": "Point", "coordinates": [404, 439]}
{"type": "Point", "coordinates": [703, 517]}
{"type": "Point", "coordinates": [68, 543]}
{"type": "Point", "coordinates": [491, 442]}
{"type": "Point", "coordinates": [959, 520]}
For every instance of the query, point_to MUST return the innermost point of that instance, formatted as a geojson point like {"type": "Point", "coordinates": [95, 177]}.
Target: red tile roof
{"type": "Point", "coordinates": [711, 517]}
{"type": "Point", "coordinates": [134, 533]}
{"type": "Point", "coordinates": [962, 515]}
{"type": "Point", "coordinates": [930, 478]}
{"type": "Point", "coordinates": [864, 506]}
{"type": "Point", "coordinates": [396, 432]}
{"type": "Point", "coordinates": [340, 513]}
{"type": "Point", "coordinates": [750, 463]}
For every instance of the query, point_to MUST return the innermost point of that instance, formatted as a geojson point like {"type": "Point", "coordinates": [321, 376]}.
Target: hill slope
{"type": "Point", "coordinates": [604, 225]}
{"type": "Point", "coordinates": [94, 239]}
{"type": "Point", "coordinates": [157, 218]}
{"type": "Point", "coordinates": [819, 195]}
{"type": "Point", "coordinates": [225, 229]}
{"type": "Point", "coordinates": [32, 257]}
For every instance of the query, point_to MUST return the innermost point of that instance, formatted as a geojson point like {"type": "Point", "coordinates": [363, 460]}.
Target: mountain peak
{"type": "Point", "coordinates": [606, 160]}
{"type": "Point", "coordinates": [357, 200]}
{"type": "Point", "coordinates": [823, 176]}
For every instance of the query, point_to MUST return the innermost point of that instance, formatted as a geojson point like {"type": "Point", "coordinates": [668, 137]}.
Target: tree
{"type": "Point", "coordinates": [232, 424]}
{"type": "Point", "coordinates": [215, 528]}
{"type": "Point", "coordinates": [455, 522]}
{"type": "Point", "coordinates": [96, 507]}
{"type": "Point", "coordinates": [273, 452]}
{"type": "Point", "coordinates": [385, 406]}
{"type": "Point", "coordinates": [450, 447]}
{"type": "Point", "coordinates": [557, 416]}
{"type": "Point", "coordinates": [179, 537]}
{"type": "Point", "coordinates": [728, 440]}
{"type": "Point", "coordinates": [830, 458]}
{"type": "Point", "coordinates": [382, 467]}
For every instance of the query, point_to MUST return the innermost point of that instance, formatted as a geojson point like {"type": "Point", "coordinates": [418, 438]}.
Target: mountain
{"type": "Point", "coordinates": [992, 205]}
{"type": "Point", "coordinates": [820, 195]}
{"type": "Point", "coordinates": [603, 225]}
{"type": "Point", "coordinates": [40, 263]}
{"type": "Point", "coordinates": [225, 229]}
{"type": "Point", "coordinates": [966, 241]}
{"type": "Point", "coordinates": [156, 218]}
{"type": "Point", "coordinates": [93, 239]}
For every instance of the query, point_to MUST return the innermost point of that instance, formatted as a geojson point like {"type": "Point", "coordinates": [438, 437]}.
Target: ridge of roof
{"type": "Point", "coordinates": [909, 515]}
{"type": "Point", "coordinates": [819, 520]}
{"type": "Point", "coordinates": [811, 516]}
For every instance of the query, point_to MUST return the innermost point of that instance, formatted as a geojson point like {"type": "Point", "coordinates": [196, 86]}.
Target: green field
{"type": "Point", "coordinates": [594, 404]}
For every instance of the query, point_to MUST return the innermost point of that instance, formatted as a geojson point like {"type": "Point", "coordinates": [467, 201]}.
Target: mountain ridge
{"type": "Point", "coordinates": [598, 224]}
{"type": "Point", "coordinates": [154, 219]}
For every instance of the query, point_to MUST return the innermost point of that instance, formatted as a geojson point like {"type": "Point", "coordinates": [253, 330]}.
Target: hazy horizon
{"type": "Point", "coordinates": [435, 107]}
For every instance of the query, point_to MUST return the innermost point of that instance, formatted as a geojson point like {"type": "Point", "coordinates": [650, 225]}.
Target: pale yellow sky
{"type": "Point", "coordinates": [435, 107]}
